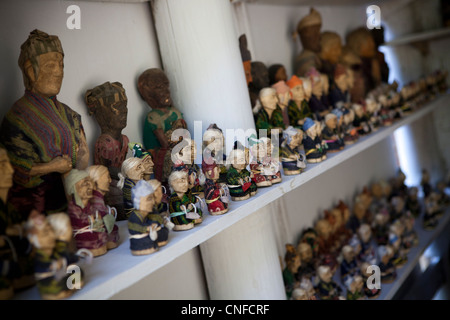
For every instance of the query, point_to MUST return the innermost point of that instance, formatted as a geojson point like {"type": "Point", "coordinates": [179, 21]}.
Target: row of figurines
{"type": "Point", "coordinates": [377, 234]}
{"type": "Point", "coordinates": [293, 102]}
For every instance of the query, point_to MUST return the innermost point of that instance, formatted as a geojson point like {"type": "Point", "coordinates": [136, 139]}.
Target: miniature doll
{"type": "Point", "coordinates": [277, 72]}
{"type": "Point", "coordinates": [51, 134]}
{"type": "Point", "coordinates": [49, 268]}
{"type": "Point", "coordinates": [323, 228]}
{"type": "Point", "coordinates": [292, 160]}
{"type": "Point", "coordinates": [259, 160]}
{"type": "Point", "coordinates": [308, 28]}
{"type": "Point", "coordinates": [330, 133]}
{"type": "Point", "coordinates": [307, 285]}
{"type": "Point", "coordinates": [373, 113]}
{"type": "Point", "coordinates": [298, 108]}
{"type": "Point", "coordinates": [307, 269]}
{"type": "Point", "coordinates": [269, 115]}
{"type": "Point", "coordinates": [396, 230]}
{"type": "Point", "coordinates": [355, 288]}
{"type": "Point", "coordinates": [359, 214]}
{"type": "Point", "coordinates": [299, 294]}
{"type": "Point", "coordinates": [330, 51]}
{"type": "Point", "coordinates": [327, 289]}
{"type": "Point", "coordinates": [432, 208]}
{"type": "Point", "coordinates": [367, 253]}
{"type": "Point", "coordinates": [214, 146]}
{"type": "Point", "coordinates": [349, 265]}
{"type": "Point", "coordinates": [316, 102]}
{"type": "Point", "coordinates": [350, 132]}
{"type": "Point", "coordinates": [293, 263]}
{"type": "Point", "coordinates": [361, 122]}
{"type": "Point", "coordinates": [284, 96]}
{"type": "Point", "coordinates": [371, 293]}
{"type": "Point", "coordinates": [380, 228]}
{"type": "Point", "coordinates": [102, 181]}
{"type": "Point", "coordinates": [184, 212]}
{"type": "Point", "coordinates": [339, 87]}
{"type": "Point", "coordinates": [154, 88]}
{"type": "Point", "coordinates": [240, 180]}
{"type": "Point", "coordinates": [260, 79]}
{"type": "Point", "coordinates": [409, 238]}
{"type": "Point", "coordinates": [87, 221]}
{"type": "Point", "coordinates": [314, 151]}
{"type": "Point", "coordinates": [311, 237]}
{"type": "Point", "coordinates": [108, 104]}
{"type": "Point", "coordinates": [147, 161]}
{"type": "Point", "coordinates": [143, 231]}
{"type": "Point", "coordinates": [131, 172]}
{"type": "Point", "coordinates": [387, 269]}
{"type": "Point", "coordinates": [160, 213]}
{"type": "Point", "coordinates": [214, 192]}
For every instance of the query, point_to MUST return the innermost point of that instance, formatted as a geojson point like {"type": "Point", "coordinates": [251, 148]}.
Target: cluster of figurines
{"type": "Point", "coordinates": [335, 259]}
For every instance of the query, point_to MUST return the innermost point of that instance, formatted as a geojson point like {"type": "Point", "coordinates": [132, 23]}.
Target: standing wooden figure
{"type": "Point", "coordinates": [239, 179]}
{"type": "Point", "coordinates": [215, 193]}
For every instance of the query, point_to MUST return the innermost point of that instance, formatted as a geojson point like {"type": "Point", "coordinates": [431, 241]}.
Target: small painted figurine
{"type": "Point", "coordinates": [260, 161]}
{"type": "Point", "coordinates": [349, 265]}
{"type": "Point", "coordinates": [355, 288]}
{"type": "Point", "coordinates": [214, 146]}
{"type": "Point", "coordinates": [293, 263]}
{"type": "Point", "coordinates": [361, 122]}
{"type": "Point", "coordinates": [368, 253]}
{"type": "Point", "coordinates": [139, 152]}
{"type": "Point", "coordinates": [240, 180]}
{"type": "Point", "coordinates": [160, 213]}
{"type": "Point", "coordinates": [298, 107]}
{"type": "Point", "coordinates": [323, 229]}
{"type": "Point", "coordinates": [284, 96]}
{"type": "Point", "coordinates": [380, 228]}
{"type": "Point", "coordinates": [269, 115]}
{"type": "Point", "coordinates": [307, 269]}
{"type": "Point", "coordinates": [142, 229]}
{"type": "Point", "coordinates": [339, 87]}
{"type": "Point", "coordinates": [387, 269]}
{"type": "Point", "coordinates": [370, 288]}
{"type": "Point", "coordinates": [50, 268]}
{"type": "Point", "coordinates": [412, 203]}
{"type": "Point", "coordinates": [293, 161]}
{"type": "Point", "coordinates": [102, 181]}
{"type": "Point", "coordinates": [316, 102]}
{"type": "Point", "coordinates": [327, 289]}
{"type": "Point", "coordinates": [314, 151]}
{"type": "Point", "coordinates": [132, 171]}
{"type": "Point", "coordinates": [87, 223]}
{"type": "Point", "coordinates": [215, 194]}
{"type": "Point", "coordinates": [330, 133]}
{"type": "Point", "coordinates": [184, 212]}
{"type": "Point", "coordinates": [350, 132]}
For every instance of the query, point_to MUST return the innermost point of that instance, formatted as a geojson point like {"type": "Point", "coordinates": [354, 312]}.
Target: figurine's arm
{"type": "Point", "coordinates": [62, 164]}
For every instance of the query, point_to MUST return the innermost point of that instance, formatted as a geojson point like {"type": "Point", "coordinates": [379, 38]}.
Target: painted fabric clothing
{"type": "Point", "coordinates": [297, 113]}
{"type": "Point", "coordinates": [311, 150]}
{"type": "Point", "coordinates": [336, 97]}
{"type": "Point", "coordinates": [126, 191]}
{"type": "Point", "coordinates": [213, 196]}
{"type": "Point", "coordinates": [332, 139]}
{"type": "Point", "coordinates": [159, 119]}
{"type": "Point", "coordinates": [234, 179]}
{"type": "Point", "coordinates": [317, 106]}
{"type": "Point", "coordinates": [137, 227]}
{"type": "Point", "coordinates": [262, 120]}
{"type": "Point", "coordinates": [45, 274]}
{"type": "Point", "coordinates": [287, 156]}
{"type": "Point", "coordinates": [98, 204]}
{"type": "Point", "coordinates": [175, 207]}
{"type": "Point", "coordinates": [110, 152]}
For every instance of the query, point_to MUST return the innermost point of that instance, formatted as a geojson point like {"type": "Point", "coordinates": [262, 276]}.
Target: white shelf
{"type": "Point", "coordinates": [418, 37]}
{"type": "Point", "coordinates": [118, 269]}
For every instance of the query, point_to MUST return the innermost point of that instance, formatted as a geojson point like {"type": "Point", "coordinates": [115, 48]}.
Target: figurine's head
{"type": "Point", "coordinates": [359, 111]}
{"type": "Point", "coordinates": [142, 196]}
{"type": "Point", "coordinates": [299, 294]}
{"type": "Point", "coordinates": [316, 82]}
{"type": "Point", "coordinates": [185, 151]}
{"type": "Point", "coordinates": [365, 232]}
{"type": "Point", "coordinates": [348, 253]}
{"type": "Point", "coordinates": [340, 77]}
{"type": "Point", "coordinates": [154, 88]}
{"type": "Point", "coordinates": [277, 72]}
{"type": "Point", "coordinates": [79, 184]}
{"type": "Point", "coordinates": [41, 61]}
{"type": "Point", "coordinates": [331, 46]}
{"type": "Point", "coordinates": [323, 228]}
{"type": "Point", "coordinates": [133, 168]}
{"type": "Point", "coordinates": [214, 141]}
{"type": "Point", "coordinates": [331, 121]}
{"type": "Point", "coordinates": [238, 159]}
{"type": "Point", "coordinates": [61, 225]}
{"type": "Point", "coordinates": [309, 30]}
{"type": "Point", "coordinates": [210, 168]}
{"type": "Point", "coordinates": [268, 98]}
{"type": "Point", "coordinates": [101, 177]}
{"type": "Point", "coordinates": [293, 137]}
{"type": "Point", "coordinates": [283, 92]}
{"type": "Point", "coordinates": [307, 87]}
{"type": "Point", "coordinates": [309, 126]}
{"type": "Point", "coordinates": [158, 187]}
{"type": "Point", "coordinates": [339, 116]}
{"type": "Point", "coordinates": [296, 88]}
{"type": "Point", "coordinates": [325, 273]}
{"type": "Point", "coordinates": [260, 75]}
{"type": "Point", "coordinates": [6, 171]}
{"type": "Point", "coordinates": [292, 258]}
{"type": "Point", "coordinates": [179, 181]}
{"type": "Point", "coordinates": [108, 103]}
{"type": "Point", "coordinates": [361, 42]}
{"type": "Point", "coordinates": [39, 231]}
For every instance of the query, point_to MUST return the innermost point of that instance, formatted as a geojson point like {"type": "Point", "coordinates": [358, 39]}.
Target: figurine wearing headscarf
{"type": "Point", "coordinates": [314, 151]}
{"type": "Point", "coordinates": [87, 223]}
{"type": "Point", "coordinates": [298, 108]}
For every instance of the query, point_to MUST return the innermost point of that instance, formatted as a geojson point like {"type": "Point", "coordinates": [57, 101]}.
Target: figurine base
{"type": "Point", "coordinates": [162, 243]}
{"type": "Point", "coordinates": [314, 160]}
{"type": "Point", "coordinates": [291, 172]}
{"type": "Point", "coordinates": [264, 184]}
{"type": "Point", "coordinates": [252, 193]}
{"type": "Point", "coordinates": [277, 180]}
{"type": "Point", "coordinates": [62, 295]}
{"type": "Point", "coordinates": [240, 198]}
{"type": "Point", "coordinates": [99, 251]}
{"type": "Point", "coordinates": [143, 252]}
{"type": "Point", "coordinates": [198, 221]}
{"type": "Point", "coordinates": [218, 213]}
{"type": "Point", "coordinates": [182, 227]}
{"type": "Point", "coordinates": [111, 245]}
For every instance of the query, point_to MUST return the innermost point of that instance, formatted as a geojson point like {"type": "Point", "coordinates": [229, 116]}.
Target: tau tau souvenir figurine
{"type": "Point", "coordinates": [292, 160]}
{"type": "Point", "coordinates": [388, 272]}
{"type": "Point", "coordinates": [143, 231]}
{"type": "Point", "coordinates": [330, 132]}
{"type": "Point", "coordinates": [367, 253]}
{"type": "Point", "coordinates": [131, 172]}
{"type": "Point", "coordinates": [298, 107]}
{"type": "Point", "coordinates": [44, 137]}
{"type": "Point", "coordinates": [349, 265]}
{"type": "Point", "coordinates": [371, 292]}
{"type": "Point", "coordinates": [269, 116]}
{"type": "Point", "coordinates": [350, 132]}
{"type": "Point", "coordinates": [318, 105]}
{"type": "Point", "coordinates": [214, 146]}
{"type": "Point", "coordinates": [314, 151]}
{"type": "Point", "coordinates": [87, 222]}
{"type": "Point", "coordinates": [154, 88]}
{"type": "Point", "coordinates": [293, 263]}
{"type": "Point", "coordinates": [216, 195]}
{"type": "Point", "coordinates": [184, 213]}
{"type": "Point", "coordinates": [327, 289]}
{"type": "Point", "coordinates": [160, 212]}
{"type": "Point", "coordinates": [108, 104]}
{"type": "Point", "coordinates": [339, 87]}
{"type": "Point", "coordinates": [102, 180]}
{"type": "Point", "coordinates": [308, 28]}
{"type": "Point", "coordinates": [49, 268]}
{"type": "Point", "coordinates": [239, 179]}
{"type": "Point", "coordinates": [330, 51]}
{"type": "Point", "coordinates": [147, 161]}
{"type": "Point", "coordinates": [284, 96]}
{"type": "Point", "coordinates": [260, 79]}
{"type": "Point", "coordinates": [360, 121]}
{"type": "Point", "coordinates": [265, 168]}
{"type": "Point", "coordinates": [355, 288]}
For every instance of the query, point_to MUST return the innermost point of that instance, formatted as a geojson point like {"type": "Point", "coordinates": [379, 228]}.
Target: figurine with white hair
{"type": "Point", "coordinates": [293, 161]}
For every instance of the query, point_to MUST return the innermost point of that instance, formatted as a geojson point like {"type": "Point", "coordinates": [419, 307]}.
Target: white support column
{"type": "Point", "coordinates": [200, 54]}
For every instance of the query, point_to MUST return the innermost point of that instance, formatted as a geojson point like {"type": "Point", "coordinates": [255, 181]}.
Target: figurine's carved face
{"type": "Point", "coordinates": [312, 132]}
{"type": "Point", "coordinates": [295, 263]}
{"type": "Point", "coordinates": [137, 172]}
{"type": "Point", "coordinates": [154, 88]}
{"type": "Point", "coordinates": [326, 275]}
{"type": "Point", "coordinates": [310, 38]}
{"type": "Point", "coordinates": [104, 181]}
{"type": "Point", "coordinates": [6, 171]}
{"type": "Point", "coordinates": [112, 116]}
{"type": "Point", "coordinates": [48, 81]}
{"type": "Point", "coordinates": [214, 140]}
{"type": "Point", "coordinates": [296, 140]}
{"type": "Point", "coordinates": [348, 253]}
{"type": "Point", "coordinates": [341, 82]}
{"type": "Point", "coordinates": [84, 188]}
{"type": "Point", "coordinates": [213, 174]}
{"type": "Point", "coordinates": [148, 164]}
{"type": "Point", "coordinates": [283, 98]}
{"type": "Point", "coordinates": [180, 185]}
{"type": "Point", "coordinates": [270, 100]}
{"type": "Point", "coordinates": [332, 123]}
{"type": "Point", "coordinates": [146, 203]}
{"type": "Point", "coordinates": [305, 252]}
{"type": "Point", "coordinates": [239, 160]}
{"type": "Point", "coordinates": [158, 195]}
{"type": "Point", "coordinates": [45, 237]}
{"type": "Point", "coordinates": [188, 153]}
{"type": "Point", "coordinates": [298, 93]}
{"type": "Point", "coordinates": [317, 87]}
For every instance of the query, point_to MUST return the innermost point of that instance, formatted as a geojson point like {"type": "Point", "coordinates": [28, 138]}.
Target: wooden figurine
{"type": "Point", "coordinates": [365, 235]}
{"type": "Point", "coordinates": [239, 180]}
{"type": "Point", "coordinates": [396, 230]}
{"type": "Point", "coordinates": [49, 267]}
{"type": "Point", "coordinates": [293, 161]}
{"type": "Point", "coordinates": [284, 96]}
{"type": "Point", "coordinates": [318, 105]}
{"type": "Point", "coordinates": [373, 113]}
{"type": "Point", "coordinates": [265, 168]}
{"type": "Point", "coordinates": [215, 194]}
{"type": "Point", "coordinates": [361, 122]}
{"type": "Point", "coordinates": [350, 132]}
{"type": "Point", "coordinates": [338, 89]}
{"type": "Point", "coordinates": [324, 229]}
{"type": "Point", "coordinates": [381, 228]}
{"type": "Point", "coordinates": [298, 107]}
{"type": "Point", "coordinates": [327, 289]}
{"type": "Point", "coordinates": [154, 88]}
{"type": "Point", "coordinates": [293, 263]}
{"type": "Point", "coordinates": [131, 172]}
{"type": "Point", "coordinates": [269, 115]}
{"type": "Point", "coordinates": [51, 134]}
{"type": "Point", "coordinates": [308, 28]}
{"type": "Point", "coordinates": [87, 222]}
{"type": "Point", "coordinates": [142, 229]}
{"type": "Point", "coordinates": [314, 151]}
{"type": "Point", "coordinates": [160, 212]}
{"type": "Point", "coordinates": [388, 272]}
{"type": "Point", "coordinates": [260, 79]}
{"type": "Point", "coordinates": [330, 132]}
{"type": "Point", "coordinates": [330, 51]}
{"type": "Point", "coordinates": [349, 265]}
{"type": "Point", "coordinates": [355, 288]}
{"type": "Point", "coordinates": [108, 104]}
{"type": "Point", "coordinates": [214, 146]}
{"type": "Point", "coordinates": [277, 72]}
{"type": "Point", "coordinates": [147, 161]}
{"type": "Point", "coordinates": [102, 181]}
{"type": "Point", "coordinates": [184, 213]}
{"type": "Point", "coordinates": [307, 269]}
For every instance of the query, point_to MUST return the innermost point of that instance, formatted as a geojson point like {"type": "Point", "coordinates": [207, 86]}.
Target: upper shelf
{"type": "Point", "coordinates": [419, 37]}
{"type": "Point", "coordinates": [118, 269]}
